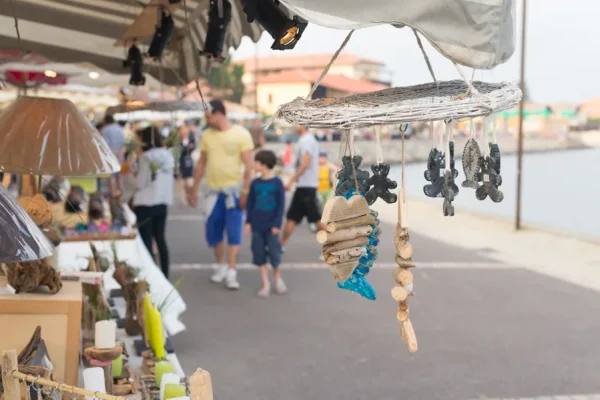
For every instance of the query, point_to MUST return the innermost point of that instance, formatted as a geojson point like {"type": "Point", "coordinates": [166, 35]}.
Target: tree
{"type": "Point", "coordinates": [227, 80]}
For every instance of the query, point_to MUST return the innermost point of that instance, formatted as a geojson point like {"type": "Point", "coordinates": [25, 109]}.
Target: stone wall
{"type": "Point", "coordinates": [417, 150]}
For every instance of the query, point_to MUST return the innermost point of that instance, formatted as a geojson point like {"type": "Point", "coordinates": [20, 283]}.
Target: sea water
{"type": "Point", "coordinates": [560, 191]}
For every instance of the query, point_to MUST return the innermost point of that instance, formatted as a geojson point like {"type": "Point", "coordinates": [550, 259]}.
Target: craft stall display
{"type": "Point", "coordinates": [39, 383]}
{"type": "Point", "coordinates": [351, 228]}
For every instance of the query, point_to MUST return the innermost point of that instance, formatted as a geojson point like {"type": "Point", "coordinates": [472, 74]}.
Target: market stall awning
{"type": "Point", "coordinates": [74, 31]}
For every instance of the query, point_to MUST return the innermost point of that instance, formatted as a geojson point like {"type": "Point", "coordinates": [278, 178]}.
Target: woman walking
{"type": "Point", "coordinates": [155, 185]}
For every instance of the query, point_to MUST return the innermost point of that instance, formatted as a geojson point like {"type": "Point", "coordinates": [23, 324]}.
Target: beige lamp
{"type": "Point", "coordinates": [45, 136]}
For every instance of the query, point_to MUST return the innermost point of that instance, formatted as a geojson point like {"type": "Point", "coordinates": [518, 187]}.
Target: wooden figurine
{"type": "Point", "coordinates": [349, 240]}
{"type": "Point", "coordinates": [402, 275]}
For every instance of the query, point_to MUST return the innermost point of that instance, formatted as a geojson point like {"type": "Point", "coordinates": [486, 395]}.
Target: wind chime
{"type": "Point", "coordinates": [352, 231]}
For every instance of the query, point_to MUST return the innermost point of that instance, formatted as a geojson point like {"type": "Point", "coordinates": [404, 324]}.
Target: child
{"type": "Point", "coordinates": [264, 215]}
{"type": "Point", "coordinates": [326, 178]}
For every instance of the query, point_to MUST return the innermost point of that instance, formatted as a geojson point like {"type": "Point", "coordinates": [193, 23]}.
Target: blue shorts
{"type": "Point", "coordinates": [266, 245]}
{"type": "Point", "coordinates": [222, 219]}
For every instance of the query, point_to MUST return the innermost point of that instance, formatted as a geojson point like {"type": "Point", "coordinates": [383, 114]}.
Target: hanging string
{"type": "Point", "coordinates": [494, 131]}
{"type": "Point", "coordinates": [432, 134]}
{"type": "Point", "coordinates": [486, 127]}
{"type": "Point", "coordinates": [468, 82]}
{"type": "Point", "coordinates": [350, 141]}
{"type": "Point", "coordinates": [378, 150]}
{"type": "Point", "coordinates": [472, 129]}
{"type": "Point", "coordinates": [196, 54]}
{"type": "Point", "coordinates": [449, 126]}
{"type": "Point", "coordinates": [403, 129]}
{"type": "Point", "coordinates": [437, 85]}
{"type": "Point", "coordinates": [335, 56]}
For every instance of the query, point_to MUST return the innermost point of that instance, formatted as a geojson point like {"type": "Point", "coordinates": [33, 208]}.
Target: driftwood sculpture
{"type": "Point", "coordinates": [349, 242]}
{"type": "Point", "coordinates": [29, 276]}
{"type": "Point", "coordinates": [402, 275]}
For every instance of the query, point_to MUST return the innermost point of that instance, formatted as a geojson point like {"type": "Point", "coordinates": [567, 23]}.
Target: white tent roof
{"type": "Point", "coordinates": [475, 33]}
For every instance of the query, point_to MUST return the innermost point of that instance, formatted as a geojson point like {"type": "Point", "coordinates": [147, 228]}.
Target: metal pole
{"type": "Point", "coordinates": [521, 109]}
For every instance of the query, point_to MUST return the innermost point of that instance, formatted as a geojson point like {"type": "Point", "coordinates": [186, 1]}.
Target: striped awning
{"type": "Point", "coordinates": [100, 32]}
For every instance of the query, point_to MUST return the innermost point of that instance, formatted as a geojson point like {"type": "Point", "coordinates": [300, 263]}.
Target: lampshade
{"type": "Point", "coordinates": [20, 239]}
{"type": "Point", "coordinates": [46, 136]}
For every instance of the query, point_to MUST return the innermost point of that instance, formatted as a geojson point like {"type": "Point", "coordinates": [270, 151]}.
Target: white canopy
{"type": "Point", "coordinates": [475, 33]}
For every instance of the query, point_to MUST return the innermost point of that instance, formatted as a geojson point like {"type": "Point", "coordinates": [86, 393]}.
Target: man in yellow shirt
{"type": "Point", "coordinates": [224, 150]}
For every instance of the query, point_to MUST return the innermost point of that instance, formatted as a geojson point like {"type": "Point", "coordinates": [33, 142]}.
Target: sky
{"type": "Point", "coordinates": [560, 67]}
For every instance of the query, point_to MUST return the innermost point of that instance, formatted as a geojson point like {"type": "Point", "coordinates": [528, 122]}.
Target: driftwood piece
{"type": "Point", "coordinates": [201, 385]}
{"type": "Point", "coordinates": [404, 263]}
{"type": "Point", "coordinates": [343, 256]}
{"type": "Point", "coordinates": [403, 248]}
{"type": "Point", "coordinates": [347, 244]}
{"type": "Point", "coordinates": [342, 272]}
{"type": "Point", "coordinates": [348, 223]}
{"type": "Point", "coordinates": [344, 234]}
{"type": "Point", "coordinates": [402, 212]}
{"type": "Point", "coordinates": [407, 334]}
{"type": "Point", "coordinates": [339, 209]}
{"type": "Point", "coordinates": [30, 275]}
{"type": "Point", "coordinates": [399, 293]}
{"type": "Point", "coordinates": [403, 276]}
{"type": "Point", "coordinates": [104, 354]}
{"type": "Point", "coordinates": [12, 387]}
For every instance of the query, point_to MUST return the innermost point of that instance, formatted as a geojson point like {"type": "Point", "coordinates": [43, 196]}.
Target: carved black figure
{"type": "Point", "coordinates": [346, 176]}
{"type": "Point", "coordinates": [495, 153]}
{"type": "Point", "coordinates": [490, 181]}
{"type": "Point", "coordinates": [435, 166]}
{"type": "Point", "coordinates": [448, 193]}
{"type": "Point", "coordinates": [135, 63]}
{"type": "Point", "coordinates": [380, 185]}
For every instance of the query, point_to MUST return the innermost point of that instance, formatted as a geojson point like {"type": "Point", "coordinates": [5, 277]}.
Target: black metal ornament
{"type": "Point", "coordinates": [346, 179]}
{"type": "Point", "coordinates": [448, 193]}
{"type": "Point", "coordinates": [380, 185]}
{"type": "Point", "coordinates": [471, 161]}
{"type": "Point", "coordinates": [135, 63]}
{"type": "Point", "coordinates": [495, 153]}
{"type": "Point", "coordinates": [218, 21]}
{"type": "Point", "coordinates": [436, 163]}
{"type": "Point", "coordinates": [162, 34]}
{"type": "Point", "coordinates": [490, 179]}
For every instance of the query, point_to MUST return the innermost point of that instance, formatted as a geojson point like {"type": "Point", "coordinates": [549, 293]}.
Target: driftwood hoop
{"type": "Point", "coordinates": [452, 100]}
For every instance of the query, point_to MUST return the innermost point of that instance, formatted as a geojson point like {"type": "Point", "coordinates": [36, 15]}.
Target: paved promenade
{"type": "Point", "coordinates": [489, 323]}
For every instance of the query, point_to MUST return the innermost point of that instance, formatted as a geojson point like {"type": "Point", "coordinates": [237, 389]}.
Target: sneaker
{"type": "Point", "coordinates": [280, 287]}
{"type": "Point", "coordinates": [219, 274]}
{"type": "Point", "coordinates": [313, 227]}
{"type": "Point", "coordinates": [283, 250]}
{"type": "Point", "coordinates": [321, 257]}
{"type": "Point", "coordinates": [264, 292]}
{"type": "Point", "coordinates": [231, 279]}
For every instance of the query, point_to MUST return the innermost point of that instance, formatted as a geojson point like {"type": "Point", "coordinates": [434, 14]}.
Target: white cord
{"type": "Point", "coordinates": [472, 129]}
{"type": "Point", "coordinates": [486, 128]}
{"type": "Point", "coordinates": [351, 142]}
{"type": "Point", "coordinates": [495, 130]}
{"type": "Point", "coordinates": [449, 127]}
{"type": "Point", "coordinates": [379, 150]}
{"type": "Point", "coordinates": [432, 134]}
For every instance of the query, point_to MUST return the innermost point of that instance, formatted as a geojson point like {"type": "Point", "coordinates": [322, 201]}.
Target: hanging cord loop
{"type": "Point", "coordinates": [379, 150]}
{"type": "Point", "coordinates": [403, 129]}
{"type": "Point", "coordinates": [335, 56]}
{"type": "Point", "coordinates": [449, 133]}
{"type": "Point", "coordinates": [350, 141]}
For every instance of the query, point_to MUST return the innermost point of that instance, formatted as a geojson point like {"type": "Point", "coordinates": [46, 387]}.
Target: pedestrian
{"type": "Point", "coordinates": [187, 145]}
{"type": "Point", "coordinates": [224, 150]}
{"type": "Point", "coordinates": [326, 179]}
{"type": "Point", "coordinates": [286, 159]}
{"type": "Point", "coordinates": [264, 215]}
{"type": "Point", "coordinates": [154, 192]}
{"type": "Point", "coordinates": [258, 133]}
{"type": "Point", "coordinates": [113, 134]}
{"type": "Point", "coordinates": [306, 178]}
